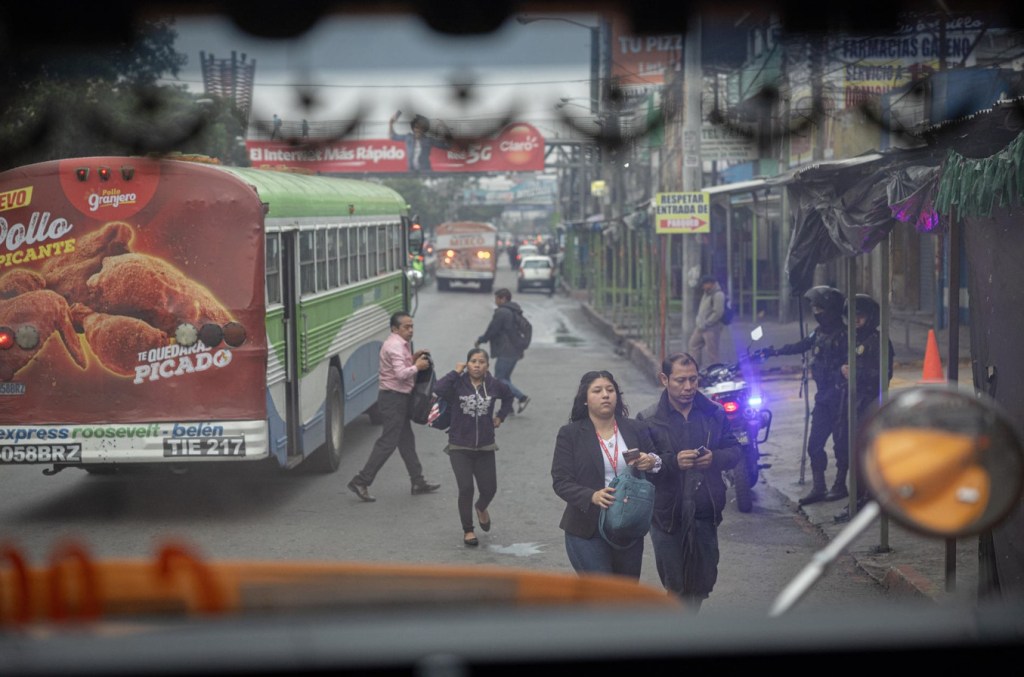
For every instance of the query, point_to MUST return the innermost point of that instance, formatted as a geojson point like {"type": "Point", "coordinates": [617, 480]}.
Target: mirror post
{"type": "Point", "coordinates": [883, 372]}
{"type": "Point", "coordinates": [851, 382]}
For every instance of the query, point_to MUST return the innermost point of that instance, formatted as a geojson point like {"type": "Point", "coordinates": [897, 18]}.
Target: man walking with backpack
{"type": "Point", "coordinates": [509, 334]}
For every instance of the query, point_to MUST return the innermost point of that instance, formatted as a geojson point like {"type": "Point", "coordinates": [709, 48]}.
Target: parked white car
{"type": "Point", "coordinates": [536, 272]}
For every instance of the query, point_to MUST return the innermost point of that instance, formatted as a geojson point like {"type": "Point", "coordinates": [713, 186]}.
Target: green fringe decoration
{"type": "Point", "coordinates": [972, 186]}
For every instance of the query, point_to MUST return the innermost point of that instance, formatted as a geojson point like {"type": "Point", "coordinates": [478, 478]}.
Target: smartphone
{"type": "Point", "coordinates": [631, 455]}
{"type": "Point", "coordinates": [701, 450]}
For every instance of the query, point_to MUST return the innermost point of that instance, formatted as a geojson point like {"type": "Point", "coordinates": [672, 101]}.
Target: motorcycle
{"type": "Point", "coordinates": [733, 387]}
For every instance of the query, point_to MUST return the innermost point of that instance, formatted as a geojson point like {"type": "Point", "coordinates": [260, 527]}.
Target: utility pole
{"type": "Point", "coordinates": [693, 85]}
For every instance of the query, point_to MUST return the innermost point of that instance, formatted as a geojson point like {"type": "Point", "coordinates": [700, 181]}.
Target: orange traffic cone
{"type": "Point", "coordinates": [932, 372]}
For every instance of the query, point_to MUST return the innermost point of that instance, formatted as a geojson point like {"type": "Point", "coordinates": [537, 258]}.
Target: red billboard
{"type": "Point", "coordinates": [518, 147]}
{"type": "Point", "coordinates": [639, 62]}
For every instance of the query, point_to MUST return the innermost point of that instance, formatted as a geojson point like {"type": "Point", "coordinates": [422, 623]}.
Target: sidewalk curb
{"type": "Point", "coordinates": [634, 351]}
{"type": "Point", "coordinates": [905, 580]}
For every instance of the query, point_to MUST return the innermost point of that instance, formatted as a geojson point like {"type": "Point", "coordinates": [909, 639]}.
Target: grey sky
{"type": "Point", "coordinates": [397, 62]}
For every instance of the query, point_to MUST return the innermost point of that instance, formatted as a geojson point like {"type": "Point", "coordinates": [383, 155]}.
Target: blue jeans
{"type": "Point", "coordinates": [594, 555]}
{"type": "Point", "coordinates": [688, 575]}
{"type": "Point", "coordinates": [503, 367]}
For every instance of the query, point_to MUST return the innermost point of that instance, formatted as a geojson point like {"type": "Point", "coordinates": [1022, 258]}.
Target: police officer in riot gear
{"type": "Point", "coordinates": [827, 344]}
{"type": "Point", "coordinates": [868, 388]}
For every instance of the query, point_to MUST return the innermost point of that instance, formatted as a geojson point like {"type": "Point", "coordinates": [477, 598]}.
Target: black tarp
{"type": "Point", "coordinates": [846, 209]}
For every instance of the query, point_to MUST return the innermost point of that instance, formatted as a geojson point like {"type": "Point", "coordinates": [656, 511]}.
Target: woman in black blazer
{"type": "Point", "coordinates": [588, 454]}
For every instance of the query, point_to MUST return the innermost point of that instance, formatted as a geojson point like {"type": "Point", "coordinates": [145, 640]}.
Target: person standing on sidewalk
{"type": "Point", "coordinates": [868, 388]}
{"type": "Point", "coordinates": [708, 333]}
{"type": "Point", "coordinates": [827, 344]}
{"type": "Point", "coordinates": [501, 333]}
{"type": "Point", "coordinates": [689, 489]}
{"type": "Point", "coordinates": [397, 375]}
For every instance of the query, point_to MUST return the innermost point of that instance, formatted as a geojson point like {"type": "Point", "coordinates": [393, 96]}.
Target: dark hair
{"type": "Point", "coordinates": [682, 359]}
{"type": "Point", "coordinates": [396, 318]}
{"type": "Point", "coordinates": [476, 351]}
{"type": "Point", "coordinates": [704, 279]}
{"type": "Point", "coordinates": [579, 403]}
{"type": "Point", "coordinates": [503, 293]}
{"type": "Point", "coordinates": [421, 121]}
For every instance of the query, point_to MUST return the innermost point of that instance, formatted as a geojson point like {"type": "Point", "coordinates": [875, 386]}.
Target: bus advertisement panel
{"type": "Point", "coordinates": [107, 281]}
{"type": "Point", "coordinates": [134, 318]}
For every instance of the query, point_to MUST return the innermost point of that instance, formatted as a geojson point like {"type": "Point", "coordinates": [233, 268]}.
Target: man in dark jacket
{"type": "Point", "coordinates": [500, 334]}
{"type": "Point", "coordinates": [689, 488]}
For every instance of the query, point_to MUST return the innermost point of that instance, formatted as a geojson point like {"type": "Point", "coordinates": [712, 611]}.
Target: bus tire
{"type": "Point", "coordinates": [442, 284]}
{"type": "Point", "coordinates": [328, 457]}
{"type": "Point", "coordinates": [487, 285]}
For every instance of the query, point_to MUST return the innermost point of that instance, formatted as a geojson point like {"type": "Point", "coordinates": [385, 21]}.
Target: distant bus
{"type": "Point", "coordinates": [466, 252]}
{"type": "Point", "coordinates": [172, 312]}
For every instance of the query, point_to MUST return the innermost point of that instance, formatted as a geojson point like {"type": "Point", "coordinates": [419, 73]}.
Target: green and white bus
{"type": "Point", "coordinates": [176, 312]}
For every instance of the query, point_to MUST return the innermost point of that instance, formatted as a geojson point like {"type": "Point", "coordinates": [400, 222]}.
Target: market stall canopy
{"type": "Point", "coordinates": [846, 207]}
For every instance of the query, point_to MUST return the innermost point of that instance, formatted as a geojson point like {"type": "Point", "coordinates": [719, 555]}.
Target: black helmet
{"type": "Point", "coordinates": [868, 307]}
{"type": "Point", "coordinates": [829, 299]}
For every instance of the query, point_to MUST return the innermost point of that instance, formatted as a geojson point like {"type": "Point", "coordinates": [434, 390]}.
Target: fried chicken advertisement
{"type": "Point", "coordinates": [48, 312]}
{"type": "Point", "coordinates": [67, 274]}
{"type": "Point", "coordinates": [116, 340]}
{"type": "Point", "coordinates": [152, 290]}
{"type": "Point", "coordinates": [100, 270]}
{"type": "Point", "coordinates": [20, 281]}
{"type": "Point", "coordinates": [125, 303]}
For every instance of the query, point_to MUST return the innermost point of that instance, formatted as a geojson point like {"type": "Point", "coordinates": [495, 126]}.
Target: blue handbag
{"type": "Point", "coordinates": [629, 517]}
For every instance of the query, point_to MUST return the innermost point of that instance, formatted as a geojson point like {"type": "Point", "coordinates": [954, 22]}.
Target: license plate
{"type": "Point", "coordinates": [40, 453]}
{"type": "Point", "coordinates": [204, 446]}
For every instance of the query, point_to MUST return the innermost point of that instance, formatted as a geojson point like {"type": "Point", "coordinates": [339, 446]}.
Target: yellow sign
{"type": "Point", "coordinates": [598, 188]}
{"type": "Point", "coordinates": [682, 213]}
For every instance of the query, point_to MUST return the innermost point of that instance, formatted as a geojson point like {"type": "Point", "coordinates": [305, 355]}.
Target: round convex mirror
{"type": "Point", "coordinates": [942, 461]}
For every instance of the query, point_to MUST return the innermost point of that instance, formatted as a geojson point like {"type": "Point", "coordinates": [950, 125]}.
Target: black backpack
{"type": "Point", "coordinates": [523, 331]}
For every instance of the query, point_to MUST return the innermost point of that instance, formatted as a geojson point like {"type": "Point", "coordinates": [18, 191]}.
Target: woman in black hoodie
{"type": "Point", "coordinates": [471, 394]}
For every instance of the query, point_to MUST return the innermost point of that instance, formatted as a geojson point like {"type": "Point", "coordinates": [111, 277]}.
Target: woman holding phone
{"type": "Point", "coordinates": [598, 443]}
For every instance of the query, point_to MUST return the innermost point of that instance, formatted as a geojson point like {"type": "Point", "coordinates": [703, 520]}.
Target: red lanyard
{"type": "Point", "coordinates": [613, 460]}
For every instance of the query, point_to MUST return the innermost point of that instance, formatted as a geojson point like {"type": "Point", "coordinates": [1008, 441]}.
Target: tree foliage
{"type": "Point", "coordinates": [433, 200]}
{"type": "Point", "coordinates": [106, 100]}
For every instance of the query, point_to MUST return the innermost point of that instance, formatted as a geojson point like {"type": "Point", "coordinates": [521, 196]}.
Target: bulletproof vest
{"type": "Point", "coordinates": [827, 355]}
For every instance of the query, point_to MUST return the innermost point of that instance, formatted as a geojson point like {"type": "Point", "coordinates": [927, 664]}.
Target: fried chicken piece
{"type": "Point", "coordinates": [48, 312]}
{"type": "Point", "coordinates": [20, 281]}
{"type": "Point", "coordinates": [152, 290]}
{"type": "Point", "coordinates": [67, 275]}
{"type": "Point", "coordinates": [116, 340]}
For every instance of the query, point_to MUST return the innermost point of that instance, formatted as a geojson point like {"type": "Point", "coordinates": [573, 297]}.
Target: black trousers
{"type": "Point", "coordinates": [467, 466]}
{"type": "Point", "coordinates": [842, 437]}
{"type": "Point", "coordinates": [395, 433]}
{"type": "Point", "coordinates": [824, 417]}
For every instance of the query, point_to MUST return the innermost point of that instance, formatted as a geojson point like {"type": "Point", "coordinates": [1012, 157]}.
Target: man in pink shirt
{"type": "Point", "coordinates": [398, 367]}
